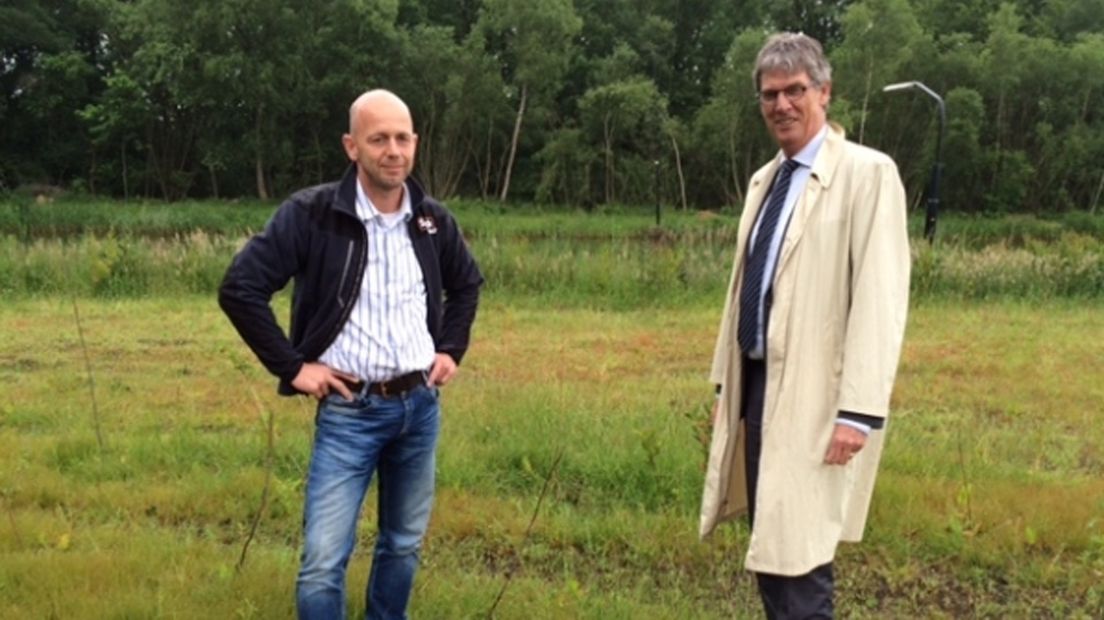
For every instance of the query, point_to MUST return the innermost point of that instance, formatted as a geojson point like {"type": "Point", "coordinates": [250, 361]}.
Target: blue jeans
{"type": "Point", "coordinates": [397, 437]}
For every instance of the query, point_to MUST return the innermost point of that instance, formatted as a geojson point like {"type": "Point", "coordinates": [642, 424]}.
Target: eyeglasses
{"type": "Point", "coordinates": [792, 93]}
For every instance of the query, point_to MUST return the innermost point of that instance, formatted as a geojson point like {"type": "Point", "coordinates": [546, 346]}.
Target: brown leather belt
{"type": "Point", "coordinates": [395, 387]}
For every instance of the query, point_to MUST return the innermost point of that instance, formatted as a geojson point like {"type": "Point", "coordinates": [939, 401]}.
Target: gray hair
{"type": "Point", "coordinates": [791, 53]}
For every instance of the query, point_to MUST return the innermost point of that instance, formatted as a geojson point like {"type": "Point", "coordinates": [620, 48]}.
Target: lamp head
{"type": "Point", "coordinates": [899, 86]}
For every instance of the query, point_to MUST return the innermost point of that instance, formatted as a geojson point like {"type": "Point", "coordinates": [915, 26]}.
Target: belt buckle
{"type": "Point", "coordinates": [383, 389]}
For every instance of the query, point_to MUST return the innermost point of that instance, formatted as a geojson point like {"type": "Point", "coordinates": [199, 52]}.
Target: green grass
{"type": "Point", "coordinates": [664, 270]}
{"type": "Point", "coordinates": [593, 339]}
{"type": "Point", "coordinates": [75, 216]}
{"type": "Point", "coordinates": [612, 257]}
{"type": "Point", "coordinates": [990, 502]}
{"type": "Point", "coordinates": [69, 216]}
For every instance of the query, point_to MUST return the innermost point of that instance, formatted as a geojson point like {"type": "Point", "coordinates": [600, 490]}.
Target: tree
{"type": "Point", "coordinates": [879, 36]}
{"type": "Point", "coordinates": [48, 71]}
{"type": "Point", "coordinates": [52, 101]}
{"type": "Point", "coordinates": [1087, 58]}
{"type": "Point", "coordinates": [348, 46]}
{"type": "Point", "coordinates": [625, 115]}
{"type": "Point", "coordinates": [567, 159]}
{"type": "Point", "coordinates": [730, 142]}
{"type": "Point", "coordinates": [536, 43]}
{"type": "Point", "coordinates": [1067, 19]}
{"type": "Point", "coordinates": [674, 131]}
{"type": "Point", "coordinates": [566, 100]}
{"type": "Point", "coordinates": [117, 119]}
{"type": "Point", "coordinates": [963, 148]}
{"type": "Point", "coordinates": [457, 97]}
{"type": "Point", "coordinates": [250, 87]}
{"type": "Point", "coordinates": [1003, 61]}
{"type": "Point", "coordinates": [820, 20]}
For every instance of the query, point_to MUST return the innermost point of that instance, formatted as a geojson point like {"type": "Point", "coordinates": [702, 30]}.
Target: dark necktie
{"type": "Point", "coordinates": [752, 289]}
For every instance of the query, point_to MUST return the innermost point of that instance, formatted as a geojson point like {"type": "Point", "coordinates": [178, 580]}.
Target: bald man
{"type": "Point", "coordinates": [384, 298]}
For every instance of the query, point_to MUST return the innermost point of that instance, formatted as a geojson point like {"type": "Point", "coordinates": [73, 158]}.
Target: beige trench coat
{"type": "Point", "coordinates": [840, 297]}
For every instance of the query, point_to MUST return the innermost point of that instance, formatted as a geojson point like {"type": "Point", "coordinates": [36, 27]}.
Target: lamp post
{"type": "Point", "coordinates": [937, 167]}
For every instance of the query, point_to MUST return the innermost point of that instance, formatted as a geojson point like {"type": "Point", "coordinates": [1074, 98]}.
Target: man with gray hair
{"type": "Point", "coordinates": [384, 299]}
{"type": "Point", "coordinates": [810, 338]}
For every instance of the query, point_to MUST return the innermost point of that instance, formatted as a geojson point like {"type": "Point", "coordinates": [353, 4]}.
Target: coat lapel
{"type": "Point", "coordinates": [757, 193]}
{"type": "Point", "coordinates": [753, 203]}
{"type": "Point", "coordinates": [819, 181]}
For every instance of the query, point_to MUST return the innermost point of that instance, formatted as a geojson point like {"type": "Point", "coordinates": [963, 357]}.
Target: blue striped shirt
{"type": "Point", "coordinates": [386, 333]}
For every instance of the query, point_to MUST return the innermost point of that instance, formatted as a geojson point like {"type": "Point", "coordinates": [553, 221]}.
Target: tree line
{"type": "Point", "coordinates": [582, 102]}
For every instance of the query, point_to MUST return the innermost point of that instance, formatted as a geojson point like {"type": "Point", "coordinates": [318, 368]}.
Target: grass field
{"type": "Point", "coordinates": [614, 258]}
{"type": "Point", "coordinates": [990, 502]}
{"type": "Point", "coordinates": [75, 215]}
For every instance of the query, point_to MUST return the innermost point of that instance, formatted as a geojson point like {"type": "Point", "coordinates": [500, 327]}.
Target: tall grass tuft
{"type": "Point", "coordinates": [1072, 266]}
{"type": "Point", "coordinates": [663, 270]}
{"type": "Point", "coordinates": [114, 265]}
{"type": "Point", "coordinates": [611, 259]}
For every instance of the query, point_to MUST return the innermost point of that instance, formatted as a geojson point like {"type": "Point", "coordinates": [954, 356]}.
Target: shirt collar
{"type": "Point", "coordinates": [368, 211]}
{"type": "Point", "coordinates": [807, 155]}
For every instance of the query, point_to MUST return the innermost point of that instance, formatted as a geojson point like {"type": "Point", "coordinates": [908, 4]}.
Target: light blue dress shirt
{"type": "Point", "coordinates": [798, 179]}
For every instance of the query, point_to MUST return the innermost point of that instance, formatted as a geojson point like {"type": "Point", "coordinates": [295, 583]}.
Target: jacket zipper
{"type": "Point", "coordinates": [348, 308]}
{"type": "Point", "coordinates": [344, 273]}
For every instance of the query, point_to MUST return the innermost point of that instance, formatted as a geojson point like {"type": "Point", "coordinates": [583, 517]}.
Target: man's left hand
{"type": "Point", "coordinates": [846, 443]}
{"type": "Point", "coordinates": [444, 368]}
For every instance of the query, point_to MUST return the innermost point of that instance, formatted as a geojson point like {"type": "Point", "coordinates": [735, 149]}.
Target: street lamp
{"type": "Point", "coordinates": [937, 167]}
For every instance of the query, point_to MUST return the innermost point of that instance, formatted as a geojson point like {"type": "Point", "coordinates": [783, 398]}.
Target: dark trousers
{"type": "Point", "coordinates": [807, 596]}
